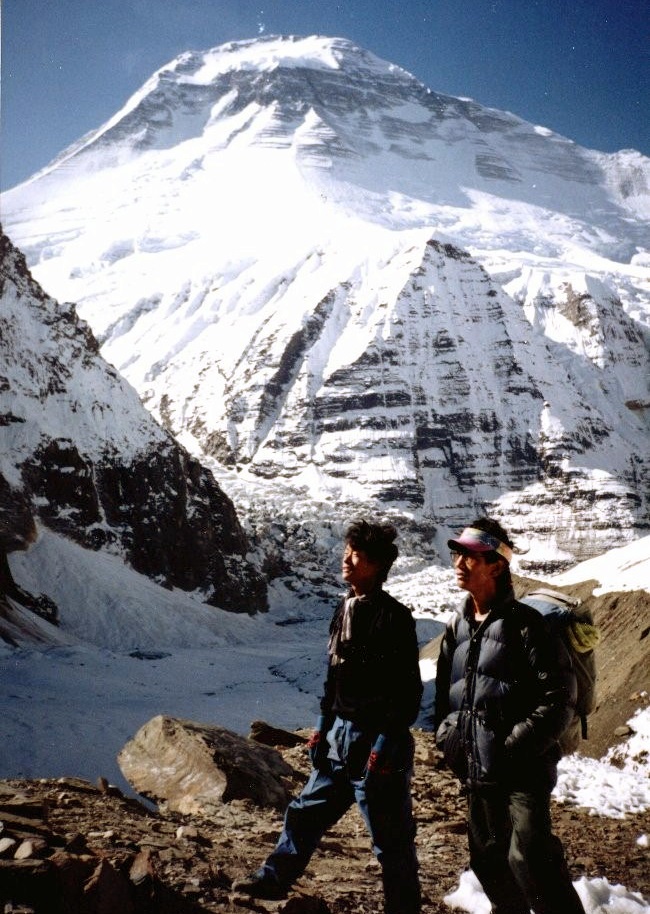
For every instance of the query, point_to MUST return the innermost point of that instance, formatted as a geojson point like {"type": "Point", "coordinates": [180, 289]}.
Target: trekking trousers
{"type": "Point", "coordinates": [384, 802]}
{"type": "Point", "coordinates": [515, 856]}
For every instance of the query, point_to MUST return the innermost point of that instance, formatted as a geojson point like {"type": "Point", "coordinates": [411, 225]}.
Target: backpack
{"type": "Point", "coordinates": [580, 636]}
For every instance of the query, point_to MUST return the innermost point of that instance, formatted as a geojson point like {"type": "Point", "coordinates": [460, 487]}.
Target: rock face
{"type": "Point", "coordinates": [192, 768]}
{"type": "Point", "coordinates": [335, 282]}
{"type": "Point", "coordinates": [442, 401]}
{"type": "Point", "coordinates": [80, 455]}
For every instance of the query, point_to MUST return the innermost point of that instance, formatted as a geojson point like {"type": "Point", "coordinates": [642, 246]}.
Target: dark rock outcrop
{"type": "Point", "coordinates": [84, 458]}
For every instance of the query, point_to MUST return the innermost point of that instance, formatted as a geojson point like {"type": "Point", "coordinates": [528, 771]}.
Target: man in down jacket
{"type": "Point", "coordinates": [505, 692]}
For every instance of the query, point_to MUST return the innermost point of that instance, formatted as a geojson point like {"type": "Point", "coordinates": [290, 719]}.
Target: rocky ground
{"type": "Point", "coordinates": [70, 847]}
{"type": "Point", "coordinates": [88, 849]}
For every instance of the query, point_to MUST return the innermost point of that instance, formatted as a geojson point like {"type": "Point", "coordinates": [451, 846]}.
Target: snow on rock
{"type": "Point", "coordinates": [616, 785]}
{"type": "Point", "coordinates": [625, 568]}
{"type": "Point", "coordinates": [297, 254]}
{"type": "Point", "coordinates": [79, 455]}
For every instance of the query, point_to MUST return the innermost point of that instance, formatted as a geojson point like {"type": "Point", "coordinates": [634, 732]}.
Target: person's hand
{"type": "Point", "coordinates": [317, 744]}
{"type": "Point", "coordinates": [449, 741]}
{"type": "Point", "coordinates": [314, 747]}
{"type": "Point", "coordinates": [379, 763]}
{"type": "Point", "coordinates": [520, 738]}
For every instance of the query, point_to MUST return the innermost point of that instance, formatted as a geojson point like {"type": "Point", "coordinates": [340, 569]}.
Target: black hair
{"type": "Point", "coordinates": [494, 528]}
{"type": "Point", "coordinates": [375, 541]}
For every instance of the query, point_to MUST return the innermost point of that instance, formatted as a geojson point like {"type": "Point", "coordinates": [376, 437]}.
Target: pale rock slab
{"type": "Point", "coordinates": [192, 768]}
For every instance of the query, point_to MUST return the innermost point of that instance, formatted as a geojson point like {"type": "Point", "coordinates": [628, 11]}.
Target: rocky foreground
{"type": "Point", "coordinates": [71, 847]}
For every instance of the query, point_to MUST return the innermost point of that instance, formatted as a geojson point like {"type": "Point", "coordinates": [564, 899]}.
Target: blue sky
{"type": "Point", "coordinates": [580, 67]}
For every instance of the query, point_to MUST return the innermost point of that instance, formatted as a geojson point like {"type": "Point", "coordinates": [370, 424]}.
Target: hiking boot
{"type": "Point", "coordinates": [260, 885]}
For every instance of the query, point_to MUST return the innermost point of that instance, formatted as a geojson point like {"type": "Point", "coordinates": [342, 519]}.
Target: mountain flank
{"type": "Point", "coordinates": [327, 278]}
{"type": "Point", "coordinates": [81, 457]}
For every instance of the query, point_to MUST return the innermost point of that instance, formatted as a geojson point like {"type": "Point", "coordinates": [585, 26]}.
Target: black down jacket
{"type": "Point", "coordinates": [505, 692]}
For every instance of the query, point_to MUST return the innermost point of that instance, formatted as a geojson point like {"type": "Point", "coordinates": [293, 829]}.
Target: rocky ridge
{"type": "Point", "coordinates": [416, 424]}
{"type": "Point", "coordinates": [81, 456]}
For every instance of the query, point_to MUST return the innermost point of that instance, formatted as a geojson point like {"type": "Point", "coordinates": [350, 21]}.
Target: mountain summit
{"type": "Point", "coordinates": [317, 271]}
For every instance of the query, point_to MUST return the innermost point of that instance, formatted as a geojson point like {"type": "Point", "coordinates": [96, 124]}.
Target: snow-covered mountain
{"type": "Point", "coordinates": [80, 457]}
{"type": "Point", "coordinates": [355, 292]}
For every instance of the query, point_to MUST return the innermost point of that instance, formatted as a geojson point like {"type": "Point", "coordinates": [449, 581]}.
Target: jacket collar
{"type": "Point", "coordinates": [503, 603]}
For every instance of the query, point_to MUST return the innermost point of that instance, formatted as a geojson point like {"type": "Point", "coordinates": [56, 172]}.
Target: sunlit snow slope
{"type": "Point", "coordinates": [319, 272]}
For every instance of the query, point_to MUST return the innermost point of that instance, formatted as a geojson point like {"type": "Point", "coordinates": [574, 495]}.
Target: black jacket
{"type": "Point", "coordinates": [378, 685]}
{"type": "Point", "coordinates": [505, 692]}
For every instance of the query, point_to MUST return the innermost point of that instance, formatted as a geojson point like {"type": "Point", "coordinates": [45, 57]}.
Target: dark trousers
{"type": "Point", "coordinates": [385, 805]}
{"type": "Point", "coordinates": [517, 859]}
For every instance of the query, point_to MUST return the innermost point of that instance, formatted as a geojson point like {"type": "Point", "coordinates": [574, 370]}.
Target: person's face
{"type": "Point", "coordinates": [360, 572]}
{"type": "Point", "coordinates": [473, 572]}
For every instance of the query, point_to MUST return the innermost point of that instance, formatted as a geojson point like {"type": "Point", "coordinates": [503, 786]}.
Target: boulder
{"type": "Point", "coordinates": [192, 768]}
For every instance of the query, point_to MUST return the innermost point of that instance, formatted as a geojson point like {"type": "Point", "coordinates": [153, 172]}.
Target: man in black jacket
{"type": "Point", "coordinates": [505, 692]}
{"type": "Point", "coordinates": [362, 748]}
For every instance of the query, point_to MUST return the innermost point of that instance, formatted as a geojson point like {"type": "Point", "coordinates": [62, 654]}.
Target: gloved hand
{"type": "Point", "coordinates": [379, 763]}
{"type": "Point", "coordinates": [317, 743]}
{"type": "Point", "coordinates": [521, 738]}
